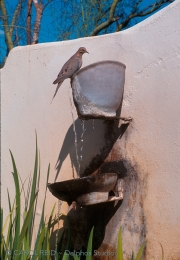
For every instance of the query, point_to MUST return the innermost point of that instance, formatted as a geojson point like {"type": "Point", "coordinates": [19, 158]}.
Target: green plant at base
{"type": "Point", "coordinates": [19, 237]}
{"type": "Point", "coordinates": [162, 251]}
{"type": "Point", "coordinates": [89, 248]}
{"type": "Point", "coordinates": [17, 243]}
{"type": "Point", "coordinates": [120, 248]}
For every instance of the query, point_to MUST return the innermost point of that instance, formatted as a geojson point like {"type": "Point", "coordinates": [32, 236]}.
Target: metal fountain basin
{"type": "Point", "coordinates": [89, 190]}
{"type": "Point", "coordinates": [98, 89]}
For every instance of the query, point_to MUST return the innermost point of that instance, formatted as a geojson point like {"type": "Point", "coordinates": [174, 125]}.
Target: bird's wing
{"type": "Point", "coordinates": [68, 70]}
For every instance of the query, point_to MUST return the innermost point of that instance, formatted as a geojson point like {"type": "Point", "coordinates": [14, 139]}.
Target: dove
{"type": "Point", "coordinates": [70, 68]}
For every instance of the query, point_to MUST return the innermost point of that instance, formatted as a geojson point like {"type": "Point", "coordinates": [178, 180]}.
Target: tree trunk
{"type": "Point", "coordinates": [28, 22]}
{"type": "Point", "coordinates": [8, 35]}
{"type": "Point", "coordinates": [39, 10]}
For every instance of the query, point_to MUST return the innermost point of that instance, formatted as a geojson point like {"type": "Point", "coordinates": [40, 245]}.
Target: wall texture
{"type": "Point", "coordinates": [149, 149]}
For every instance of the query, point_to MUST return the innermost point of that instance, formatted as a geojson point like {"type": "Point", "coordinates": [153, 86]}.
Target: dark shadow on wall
{"type": "Point", "coordinates": [97, 149]}
{"type": "Point", "coordinates": [79, 223]}
{"type": "Point", "coordinates": [98, 140]}
{"type": "Point", "coordinates": [83, 219]}
{"type": "Point", "coordinates": [93, 138]}
{"type": "Point", "coordinates": [128, 213]}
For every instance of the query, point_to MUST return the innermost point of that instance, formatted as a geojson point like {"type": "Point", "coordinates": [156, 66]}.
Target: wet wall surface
{"type": "Point", "coordinates": [108, 217]}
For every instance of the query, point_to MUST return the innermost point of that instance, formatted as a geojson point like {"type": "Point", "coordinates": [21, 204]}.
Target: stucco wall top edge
{"type": "Point", "coordinates": [131, 30]}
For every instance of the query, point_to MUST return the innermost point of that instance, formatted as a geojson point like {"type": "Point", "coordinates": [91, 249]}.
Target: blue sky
{"type": "Point", "coordinates": [47, 33]}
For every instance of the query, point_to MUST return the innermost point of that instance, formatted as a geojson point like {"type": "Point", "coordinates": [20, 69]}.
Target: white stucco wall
{"type": "Point", "coordinates": [151, 53]}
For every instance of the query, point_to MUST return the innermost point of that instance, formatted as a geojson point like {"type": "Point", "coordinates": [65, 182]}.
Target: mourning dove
{"type": "Point", "coordinates": [70, 68]}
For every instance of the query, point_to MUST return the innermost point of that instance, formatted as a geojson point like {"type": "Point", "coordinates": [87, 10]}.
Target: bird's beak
{"type": "Point", "coordinates": [87, 52]}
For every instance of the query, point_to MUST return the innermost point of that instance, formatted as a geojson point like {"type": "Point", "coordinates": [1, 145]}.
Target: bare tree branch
{"type": "Point", "coordinates": [144, 12]}
{"type": "Point", "coordinates": [100, 16]}
{"type": "Point", "coordinates": [45, 5]}
{"type": "Point", "coordinates": [39, 10]}
{"type": "Point", "coordinates": [16, 26]}
{"type": "Point", "coordinates": [70, 20]}
{"type": "Point", "coordinates": [108, 22]}
{"type": "Point", "coordinates": [8, 35]}
{"type": "Point", "coordinates": [136, 6]}
{"type": "Point", "coordinates": [28, 21]}
{"type": "Point", "coordinates": [16, 13]}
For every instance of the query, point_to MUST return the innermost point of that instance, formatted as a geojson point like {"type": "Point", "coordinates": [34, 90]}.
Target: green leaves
{"type": "Point", "coordinates": [24, 228]}
{"type": "Point", "coordinates": [89, 247]}
{"type": "Point", "coordinates": [120, 248]}
{"type": "Point", "coordinates": [162, 251]}
{"type": "Point", "coordinates": [18, 203]}
{"type": "Point", "coordinates": [19, 235]}
{"type": "Point", "coordinates": [139, 254]}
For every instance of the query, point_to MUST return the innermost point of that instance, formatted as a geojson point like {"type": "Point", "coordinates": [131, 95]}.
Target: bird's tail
{"type": "Point", "coordinates": [56, 81]}
{"type": "Point", "coordinates": [58, 86]}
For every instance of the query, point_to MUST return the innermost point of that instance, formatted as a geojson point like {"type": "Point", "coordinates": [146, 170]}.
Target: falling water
{"type": "Point", "coordinates": [75, 137]}
{"type": "Point", "coordinates": [82, 135]}
{"type": "Point", "coordinates": [93, 123]}
{"type": "Point", "coordinates": [59, 210]}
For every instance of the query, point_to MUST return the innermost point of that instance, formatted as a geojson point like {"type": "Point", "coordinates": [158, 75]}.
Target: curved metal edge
{"type": "Point", "coordinates": [98, 63]}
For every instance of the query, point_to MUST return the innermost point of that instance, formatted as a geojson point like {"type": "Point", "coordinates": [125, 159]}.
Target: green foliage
{"type": "Point", "coordinates": [89, 248]}
{"type": "Point", "coordinates": [16, 237]}
{"type": "Point", "coordinates": [162, 251]}
{"type": "Point", "coordinates": [67, 247]}
{"type": "Point", "coordinates": [120, 249]}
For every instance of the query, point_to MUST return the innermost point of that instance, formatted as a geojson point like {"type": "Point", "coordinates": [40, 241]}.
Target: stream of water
{"type": "Point", "coordinates": [75, 137]}
{"type": "Point", "coordinates": [82, 140]}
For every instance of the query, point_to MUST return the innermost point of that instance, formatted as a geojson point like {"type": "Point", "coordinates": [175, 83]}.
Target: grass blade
{"type": "Point", "coordinates": [33, 191]}
{"type": "Point", "coordinates": [28, 194]}
{"type": "Point", "coordinates": [65, 256]}
{"type": "Point", "coordinates": [25, 225]}
{"type": "Point", "coordinates": [132, 257]}
{"type": "Point", "coordinates": [40, 240]}
{"type": "Point", "coordinates": [1, 234]}
{"type": "Point", "coordinates": [89, 247]}
{"type": "Point", "coordinates": [42, 224]}
{"type": "Point", "coordinates": [76, 257]}
{"type": "Point", "coordinates": [59, 247]}
{"type": "Point", "coordinates": [26, 237]}
{"type": "Point", "coordinates": [119, 247]}
{"type": "Point", "coordinates": [50, 217]}
{"type": "Point", "coordinates": [10, 235]}
{"type": "Point", "coordinates": [139, 254]}
{"type": "Point", "coordinates": [162, 251]}
{"type": "Point", "coordinates": [41, 227]}
{"type": "Point", "coordinates": [46, 244]}
{"type": "Point", "coordinates": [6, 222]}
{"type": "Point", "coordinates": [18, 203]}
{"type": "Point", "coordinates": [48, 172]}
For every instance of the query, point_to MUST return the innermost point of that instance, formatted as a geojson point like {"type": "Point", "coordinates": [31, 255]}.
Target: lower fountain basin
{"type": "Point", "coordinates": [71, 190]}
{"type": "Point", "coordinates": [98, 89]}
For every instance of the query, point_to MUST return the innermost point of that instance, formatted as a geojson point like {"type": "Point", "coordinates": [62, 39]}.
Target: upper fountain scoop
{"type": "Point", "coordinates": [98, 89]}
